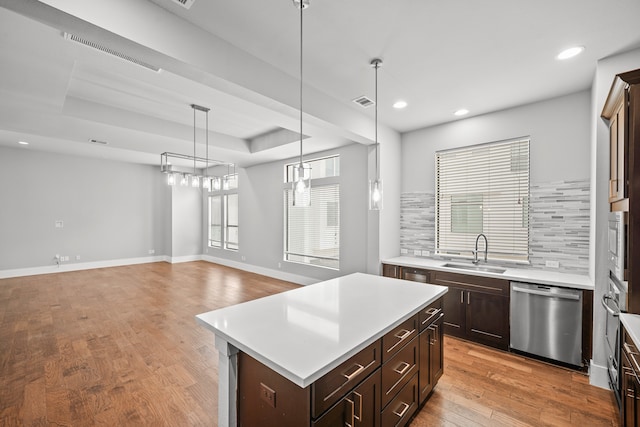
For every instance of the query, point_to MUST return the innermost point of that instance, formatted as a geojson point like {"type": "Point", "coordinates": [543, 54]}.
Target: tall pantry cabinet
{"type": "Point", "coordinates": [622, 110]}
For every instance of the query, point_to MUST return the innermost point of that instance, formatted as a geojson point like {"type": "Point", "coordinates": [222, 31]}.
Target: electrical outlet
{"type": "Point", "coordinates": [417, 252]}
{"type": "Point", "coordinates": [59, 223]}
{"type": "Point", "coordinates": [426, 253]}
{"type": "Point", "coordinates": [77, 257]}
{"type": "Point", "coordinates": [152, 251]}
{"type": "Point", "coordinates": [268, 395]}
{"type": "Point", "coordinates": [66, 258]}
{"type": "Point", "coordinates": [404, 251]}
{"type": "Point", "coordinates": [279, 265]}
{"type": "Point", "coordinates": [552, 264]}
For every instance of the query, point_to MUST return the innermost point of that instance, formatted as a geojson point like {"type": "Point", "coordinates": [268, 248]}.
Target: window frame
{"type": "Point", "coordinates": [224, 194]}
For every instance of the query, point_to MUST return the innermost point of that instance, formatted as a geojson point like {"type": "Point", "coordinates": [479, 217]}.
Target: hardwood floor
{"type": "Point", "coordinates": [120, 346]}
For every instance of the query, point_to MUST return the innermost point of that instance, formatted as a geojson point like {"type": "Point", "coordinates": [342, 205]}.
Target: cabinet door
{"type": "Point", "coordinates": [424, 376]}
{"type": "Point", "coordinates": [431, 358]}
{"type": "Point", "coordinates": [617, 153]}
{"type": "Point", "coordinates": [437, 351]}
{"type": "Point", "coordinates": [454, 312]}
{"type": "Point", "coordinates": [360, 408]}
{"type": "Point", "coordinates": [487, 319]}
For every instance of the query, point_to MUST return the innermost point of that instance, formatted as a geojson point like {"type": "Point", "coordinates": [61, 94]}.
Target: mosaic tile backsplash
{"type": "Point", "coordinates": [559, 220]}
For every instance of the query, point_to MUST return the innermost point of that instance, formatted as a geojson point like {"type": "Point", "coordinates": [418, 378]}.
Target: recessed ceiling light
{"type": "Point", "coordinates": [399, 105]}
{"type": "Point", "coordinates": [461, 112]}
{"type": "Point", "coordinates": [23, 143]}
{"type": "Point", "coordinates": [570, 53]}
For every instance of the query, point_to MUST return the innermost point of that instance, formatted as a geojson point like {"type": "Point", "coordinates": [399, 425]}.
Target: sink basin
{"type": "Point", "coordinates": [484, 268]}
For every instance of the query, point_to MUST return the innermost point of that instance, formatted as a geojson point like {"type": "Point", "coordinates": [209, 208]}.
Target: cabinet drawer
{"type": "Point", "coordinates": [389, 270]}
{"type": "Point", "coordinates": [403, 406]}
{"type": "Point", "coordinates": [469, 282]}
{"type": "Point", "coordinates": [430, 314]}
{"type": "Point", "coordinates": [394, 340]}
{"type": "Point", "coordinates": [415, 274]}
{"type": "Point", "coordinates": [333, 386]}
{"type": "Point", "coordinates": [398, 370]}
{"type": "Point", "coordinates": [359, 408]}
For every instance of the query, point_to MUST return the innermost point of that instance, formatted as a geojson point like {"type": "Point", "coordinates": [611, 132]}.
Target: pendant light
{"type": "Point", "coordinates": [301, 172]}
{"type": "Point", "coordinates": [375, 186]}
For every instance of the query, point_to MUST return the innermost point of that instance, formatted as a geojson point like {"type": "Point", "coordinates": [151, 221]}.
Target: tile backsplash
{"type": "Point", "coordinates": [559, 225]}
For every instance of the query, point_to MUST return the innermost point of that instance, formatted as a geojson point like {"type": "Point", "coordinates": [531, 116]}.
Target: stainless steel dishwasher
{"type": "Point", "coordinates": [547, 321]}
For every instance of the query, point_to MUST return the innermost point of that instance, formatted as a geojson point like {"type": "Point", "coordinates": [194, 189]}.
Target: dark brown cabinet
{"type": "Point", "coordinates": [431, 351]}
{"type": "Point", "coordinates": [622, 110]}
{"type": "Point", "coordinates": [360, 408]}
{"type": "Point", "coordinates": [415, 274]}
{"type": "Point", "coordinates": [630, 383]}
{"type": "Point", "coordinates": [476, 308]}
{"type": "Point", "coordinates": [377, 387]}
{"type": "Point", "coordinates": [389, 270]}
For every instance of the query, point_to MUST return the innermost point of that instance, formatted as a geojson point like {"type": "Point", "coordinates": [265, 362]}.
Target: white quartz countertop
{"type": "Point", "coordinates": [631, 323]}
{"type": "Point", "coordinates": [542, 277]}
{"type": "Point", "coordinates": [304, 333]}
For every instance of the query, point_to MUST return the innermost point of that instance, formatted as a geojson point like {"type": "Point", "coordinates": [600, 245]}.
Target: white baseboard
{"type": "Point", "coordinates": [598, 376]}
{"type": "Point", "coordinates": [186, 258]}
{"type": "Point", "coordinates": [62, 268]}
{"type": "Point", "coordinates": [276, 274]}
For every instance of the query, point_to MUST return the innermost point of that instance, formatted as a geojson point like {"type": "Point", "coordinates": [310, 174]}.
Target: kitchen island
{"type": "Point", "coordinates": [296, 358]}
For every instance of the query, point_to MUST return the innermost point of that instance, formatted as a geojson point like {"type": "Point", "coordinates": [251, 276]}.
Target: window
{"type": "Point", "coordinates": [231, 221]}
{"type": "Point", "coordinates": [312, 234]}
{"type": "Point", "coordinates": [484, 189]}
{"type": "Point", "coordinates": [223, 215]}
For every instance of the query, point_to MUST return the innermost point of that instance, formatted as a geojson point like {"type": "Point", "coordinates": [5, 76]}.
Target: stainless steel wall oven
{"type": "Point", "coordinates": [614, 302]}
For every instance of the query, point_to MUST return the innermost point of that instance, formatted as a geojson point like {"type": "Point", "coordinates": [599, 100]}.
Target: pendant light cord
{"type": "Point", "coordinates": [376, 132]}
{"type": "Point", "coordinates": [301, 9]}
{"type": "Point", "coordinates": [194, 140]}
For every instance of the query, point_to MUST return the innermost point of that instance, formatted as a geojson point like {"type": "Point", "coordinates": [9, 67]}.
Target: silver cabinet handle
{"type": "Point", "coordinates": [359, 416]}
{"type": "Point", "coordinates": [404, 410]}
{"type": "Point", "coordinates": [402, 335]}
{"type": "Point", "coordinates": [353, 413]}
{"type": "Point", "coordinates": [461, 297]}
{"type": "Point", "coordinates": [354, 373]}
{"type": "Point", "coordinates": [468, 298]}
{"type": "Point", "coordinates": [404, 368]}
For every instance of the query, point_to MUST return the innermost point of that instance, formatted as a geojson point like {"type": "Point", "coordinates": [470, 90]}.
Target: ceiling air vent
{"type": "Point", "coordinates": [363, 101]}
{"type": "Point", "coordinates": [97, 141]}
{"type": "Point", "coordinates": [97, 46]}
{"type": "Point", "coordinates": [184, 3]}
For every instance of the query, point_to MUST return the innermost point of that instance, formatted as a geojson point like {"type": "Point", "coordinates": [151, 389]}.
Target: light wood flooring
{"type": "Point", "coordinates": [120, 346]}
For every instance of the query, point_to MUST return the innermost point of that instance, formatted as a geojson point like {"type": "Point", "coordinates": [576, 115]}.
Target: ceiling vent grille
{"type": "Point", "coordinates": [363, 101]}
{"type": "Point", "coordinates": [184, 3]}
{"type": "Point", "coordinates": [97, 141]}
{"type": "Point", "coordinates": [97, 46]}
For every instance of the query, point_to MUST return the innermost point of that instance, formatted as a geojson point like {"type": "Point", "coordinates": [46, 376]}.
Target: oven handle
{"type": "Point", "coordinates": [611, 311]}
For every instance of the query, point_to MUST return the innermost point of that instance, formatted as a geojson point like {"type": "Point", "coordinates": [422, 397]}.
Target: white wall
{"type": "Point", "coordinates": [186, 223]}
{"type": "Point", "coordinates": [261, 221]}
{"type": "Point", "coordinates": [605, 73]}
{"type": "Point", "coordinates": [110, 210]}
{"type": "Point", "coordinates": [559, 148]}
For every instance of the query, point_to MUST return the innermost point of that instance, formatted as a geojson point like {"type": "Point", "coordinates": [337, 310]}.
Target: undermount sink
{"type": "Point", "coordinates": [484, 268]}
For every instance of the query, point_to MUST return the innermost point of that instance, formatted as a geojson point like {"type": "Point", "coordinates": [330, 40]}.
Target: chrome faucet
{"type": "Point", "coordinates": [486, 245]}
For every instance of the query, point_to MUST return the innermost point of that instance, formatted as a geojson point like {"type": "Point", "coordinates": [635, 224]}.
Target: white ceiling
{"type": "Point", "coordinates": [241, 59]}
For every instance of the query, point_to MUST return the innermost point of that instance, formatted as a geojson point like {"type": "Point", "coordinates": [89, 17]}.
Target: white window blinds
{"type": "Point", "coordinates": [484, 189]}
{"type": "Point", "coordinates": [312, 234]}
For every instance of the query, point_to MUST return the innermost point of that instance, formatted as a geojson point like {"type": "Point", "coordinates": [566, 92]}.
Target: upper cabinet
{"type": "Point", "coordinates": [617, 110]}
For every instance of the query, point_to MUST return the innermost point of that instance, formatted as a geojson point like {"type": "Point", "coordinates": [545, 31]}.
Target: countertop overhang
{"type": "Point", "coordinates": [304, 333]}
{"type": "Point", "coordinates": [542, 277]}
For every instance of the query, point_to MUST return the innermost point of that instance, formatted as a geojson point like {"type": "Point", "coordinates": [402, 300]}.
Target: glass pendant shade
{"type": "Point", "coordinates": [206, 182]}
{"type": "Point", "coordinates": [216, 184]}
{"type": "Point", "coordinates": [225, 183]}
{"type": "Point", "coordinates": [302, 185]}
{"type": "Point", "coordinates": [184, 180]}
{"type": "Point", "coordinates": [195, 181]}
{"type": "Point", "coordinates": [171, 179]}
{"type": "Point", "coordinates": [375, 195]}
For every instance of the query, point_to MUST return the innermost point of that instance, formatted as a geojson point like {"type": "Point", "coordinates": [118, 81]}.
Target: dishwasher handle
{"type": "Point", "coordinates": [564, 295]}
{"type": "Point", "coordinates": [605, 304]}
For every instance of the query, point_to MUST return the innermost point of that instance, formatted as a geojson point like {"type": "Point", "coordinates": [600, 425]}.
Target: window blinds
{"type": "Point", "coordinates": [313, 232]}
{"type": "Point", "coordinates": [484, 189]}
